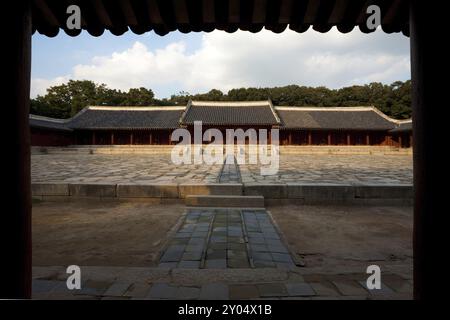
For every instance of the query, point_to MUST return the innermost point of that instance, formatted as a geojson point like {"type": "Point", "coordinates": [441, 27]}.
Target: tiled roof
{"type": "Point", "coordinates": [341, 118]}
{"type": "Point", "coordinates": [404, 126]}
{"type": "Point", "coordinates": [230, 113]}
{"type": "Point", "coordinates": [127, 118]}
{"type": "Point", "coordinates": [48, 123]}
{"type": "Point", "coordinates": [217, 113]}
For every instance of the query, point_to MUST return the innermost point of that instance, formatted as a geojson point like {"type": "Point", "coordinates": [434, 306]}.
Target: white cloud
{"type": "Point", "coordinates": [40, 85]}
{"type": "Point", "coordinates": [242, 59]}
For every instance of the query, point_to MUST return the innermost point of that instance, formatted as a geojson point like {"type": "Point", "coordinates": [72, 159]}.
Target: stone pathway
{"type": "Point", "coordinates": [230, 171]}
{"type": "Point", "coordinates": [226, 238]}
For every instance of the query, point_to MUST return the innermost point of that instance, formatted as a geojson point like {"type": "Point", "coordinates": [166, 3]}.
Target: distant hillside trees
{"type": "Point", "coordinates": [67, 99]}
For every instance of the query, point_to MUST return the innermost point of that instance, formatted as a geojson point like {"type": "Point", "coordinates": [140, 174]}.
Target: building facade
{"type": "Point", "coordinates": [104, 125]}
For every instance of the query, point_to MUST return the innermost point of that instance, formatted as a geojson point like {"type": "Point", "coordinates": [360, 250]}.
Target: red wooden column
{"type": "Point", "coordinates": [329, 139]}
{"type": "Point", "coordinates": [348, 139]}
{"type": "Point", "coordinates": [131, 138]}
{"type": "Point", "coordinates": [368, 139]}
{"type": "Point", "coordinates": [150, 138]}
{"type": "Point", "coordinates": [112, 137]}
{"type": "Point", "coordinates": [15, 221]}
{"type": "Point", "coordinates": [400, 141]}
{"type": "Point", "coordinates": [309, 138]}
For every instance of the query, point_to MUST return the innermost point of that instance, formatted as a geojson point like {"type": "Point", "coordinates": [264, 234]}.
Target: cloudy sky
{"type": "Point", "coordinates": [198, 62]}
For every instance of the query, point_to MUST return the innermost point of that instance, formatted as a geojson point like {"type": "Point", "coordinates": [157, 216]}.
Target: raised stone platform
{"type": "Point", "coordinates": [301, 178]}
{"type": "Point", "coordinates": [295, 192]}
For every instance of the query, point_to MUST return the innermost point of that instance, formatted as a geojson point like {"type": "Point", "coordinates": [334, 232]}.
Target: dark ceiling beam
{"type": "Point", "coordinates": [153, 12]}
{"type": "Point", "coordinates": [259, 11]}
{"type": "Point", "coordinates": [47, 13]}
{"type": "Point", "coordinates": [234, 11]}
{"type": "Point", "coordinates": [362, 16]}
{"type": "Point", "coordinates": [286, 11]}
{"type": "Point", "coordinates": [347, 22]}
{"type": "Point", "coordinates": [206, 15]}
{"type": "Point", "coordinates": [208, 11]}
{"type": "Point", "coordinates": [297, 18]}
{"type": "Point", "coordinates": [391, 12]}
{"type": "Point", "coordinates": [181, 11]}
{"type": "Point", "coordinates": [322, 21]}
{"type": "Point", "coordinates": [101, 13]}
{"type": "Point", "coordinates": [128, 12]}
{"type": "Point", "coordinates": [311, 12]}
{"type": "Point", "coordinates": [338, 12]}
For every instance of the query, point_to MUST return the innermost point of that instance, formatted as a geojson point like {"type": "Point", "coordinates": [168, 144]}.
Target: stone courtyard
{"type": "Point", "coordinates": [157, 168]}
{"type": "Point", "coordinates": [145, 249]}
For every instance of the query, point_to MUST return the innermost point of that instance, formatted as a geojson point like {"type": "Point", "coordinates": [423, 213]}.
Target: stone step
{"type": "Point", "coordinates": [226, 201]}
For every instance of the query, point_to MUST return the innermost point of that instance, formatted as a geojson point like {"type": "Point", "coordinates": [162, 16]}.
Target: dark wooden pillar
{"type": "Point", "coordinates": [290, 138]}
{"type": "Point", "coordinates": [430, 198]}
{"type": "Point", "coordinates": [329, 139]}
{"type": "Point", "coordinates": [93, 137]}
{"type": "Point", "coordinates": [112, 138]}
{"type": "Point", "coordinates": [131, 138]}
{"type": "Point", "coordinates": [348, 139]}
{"type": "Point", "coordinates": [15, 224]}
{"type": "Point", "coordinates": [400, 141]}
{"type": "Point", "coordinates": [367, 139]}
{"type": "Point", "coordinates": [309, 138]}
{"type": "Point", "coordinates": [150, 139]}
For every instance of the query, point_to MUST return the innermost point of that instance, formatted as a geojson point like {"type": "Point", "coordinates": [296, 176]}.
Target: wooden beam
{"type": "Point", "coordinates": [259, 11]}
{"type": "Point", "coordinates": [181, 12]}
{"type": "Point", "coordinates": [102, 14]}
{"type": "Point", "coordinates": [46, 12]}
{"type": "Point", "coordinates": [15, 224]}
{"type": "Point", "coordinates": [286, 11]}
{"type": "Point", "coordinates": [234, 14]}
{"type": "Point", "coordinates": [154, 13]}
{"type": "Point", "coordinates": [209, 15]}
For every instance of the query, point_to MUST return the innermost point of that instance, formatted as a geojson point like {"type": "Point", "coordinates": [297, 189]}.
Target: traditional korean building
{"type": "Point", "coordinates": [103, 125]}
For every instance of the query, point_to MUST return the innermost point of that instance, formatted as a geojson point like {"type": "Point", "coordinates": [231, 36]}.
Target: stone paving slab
{"type": "Point", "coordinates": [230, 284]}
{"type": "Point", "coordinates": [229, 238]}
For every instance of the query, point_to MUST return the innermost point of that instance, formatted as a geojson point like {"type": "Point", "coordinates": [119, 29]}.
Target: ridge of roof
{"type": "Point", "coordinates": [311, 108]}
{"type": "Point", "coordinates": [49, 119]}
{"type": "Point", "coordinates": [275, 114]}
{"type": "Point", "coordinates": [262, 103]}
{"type": "Point", "coordinates": [136, 108]}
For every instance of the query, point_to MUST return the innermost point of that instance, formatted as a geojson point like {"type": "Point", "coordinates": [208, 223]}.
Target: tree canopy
{"type": "Point", "coordinates": [64, 101]}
